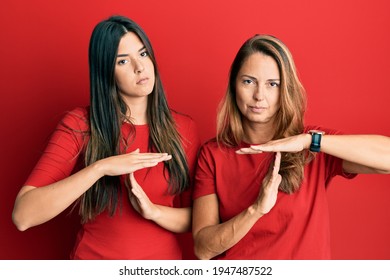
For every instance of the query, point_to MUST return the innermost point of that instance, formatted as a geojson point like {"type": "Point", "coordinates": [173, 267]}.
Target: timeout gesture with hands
{"type": "Point", "coordinates": [170, 218]}
{"type": "Point", "coordinates": [31, 207]}
{"type": "Point", "coordinates": [138, 198]}
{"type": "Point", "coordinates": [292, 144]}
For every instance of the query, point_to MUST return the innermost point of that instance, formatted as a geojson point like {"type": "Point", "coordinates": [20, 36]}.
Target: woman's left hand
{"type": "Point", "coordinates": [140, 201]}
{"type": "Point", "coordinates": [292, 144]}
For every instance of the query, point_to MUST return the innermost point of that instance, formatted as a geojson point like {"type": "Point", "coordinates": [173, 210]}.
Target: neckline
{"type": "Point", "coordinates": [135, 125]}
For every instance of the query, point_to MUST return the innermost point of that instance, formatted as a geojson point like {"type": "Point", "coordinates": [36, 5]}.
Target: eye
{"type": "Point", "coordinates": [247, 81]}
{"type": "Point", "coordinates": [144, 54]}
{"type": "Point", "coordinates": [274, 84]}
{"type": "Point", "coordinates": [122, 61]}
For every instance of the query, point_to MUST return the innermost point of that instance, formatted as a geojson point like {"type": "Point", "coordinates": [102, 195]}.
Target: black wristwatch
{"type": "Point", "coordinates": [316, 136]}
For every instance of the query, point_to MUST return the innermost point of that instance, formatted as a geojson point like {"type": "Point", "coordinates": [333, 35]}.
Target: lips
{"type": "Point", "coordinates": [142, 81]}
{"type": "Point", "coordinates": [257, 109]}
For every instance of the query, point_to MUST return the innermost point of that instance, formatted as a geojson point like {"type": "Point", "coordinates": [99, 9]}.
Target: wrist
{"type": "Point", "coordinates": [98, 168]}
{"type": "Point", "coordinates": [155, 214]}
{"type": "Point", "coordinates": [316, 137]}
{"type": "Point", "coordinates": [307, 141]}
{"type": "Point", "coordinates": [254, 211]}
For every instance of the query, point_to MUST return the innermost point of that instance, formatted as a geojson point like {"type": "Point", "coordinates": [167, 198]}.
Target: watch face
{"type": "Point", "coordinates": [313, 131]}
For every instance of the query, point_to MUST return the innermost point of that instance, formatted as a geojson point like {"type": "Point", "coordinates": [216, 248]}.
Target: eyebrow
{"type": "Point", "coordinates": [254, 78]}
{"type": "Point", "coordinates": [249, 76]}
{"type": "Point", "coordinates": [126, 54]}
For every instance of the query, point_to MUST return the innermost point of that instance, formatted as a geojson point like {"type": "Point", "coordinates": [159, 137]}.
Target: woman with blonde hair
{"type": "Point", "coordinates": [260, 185]}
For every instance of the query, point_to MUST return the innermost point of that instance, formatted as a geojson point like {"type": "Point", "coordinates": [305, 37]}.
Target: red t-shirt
{"type": "Point", "coordinates": [126, 235]}
{"type": "Point", "coordinates": [297, 227]}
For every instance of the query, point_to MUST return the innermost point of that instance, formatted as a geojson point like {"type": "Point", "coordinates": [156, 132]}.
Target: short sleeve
{"type": "Point", "coordinates": [62, 151]}
{"type": "Point", "coordinates": [205, 173]}
{"type": "Point", "coordinates": [191, 144]}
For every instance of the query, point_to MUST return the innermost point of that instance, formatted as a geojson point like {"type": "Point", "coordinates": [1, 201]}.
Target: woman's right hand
{"type": "Point", "coordinates": [128, 163]}
{"type": "Point", "coordinates": [269, 191]}
{"type": "Point", "coordinates": [211, 237]}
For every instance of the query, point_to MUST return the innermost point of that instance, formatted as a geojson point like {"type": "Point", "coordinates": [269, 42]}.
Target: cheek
{"type": "Point", "coordinates": [239, 100]}
{"type": "Point", "coordinates": [119, 82]}
{"type": "Point", "coordinates": [274, 99]}
{"type": "Point", "coordinates": [150, 66]}
{"type": "Point", "coordinates": [153, 79]}
{"type": "Point", "coordinates": [124, 83]}
{"type": "Point", "coordinates": [119, 77]}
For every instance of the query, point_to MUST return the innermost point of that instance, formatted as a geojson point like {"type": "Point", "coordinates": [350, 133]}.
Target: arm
{"type": "Point", "coordinates": [34, 206]}
{"type": "Point", "coordinates": [212, 237]}
{"type": "Point", "coordinates": [361, 153]}
{"type": "Point", "coordinates": [173, 219]}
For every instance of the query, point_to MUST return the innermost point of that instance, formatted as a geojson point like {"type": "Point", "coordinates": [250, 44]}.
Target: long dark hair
{"type": "Point", "coordinates": [108, 111]}
{"type": "Point", "coordinates": [289, 118]}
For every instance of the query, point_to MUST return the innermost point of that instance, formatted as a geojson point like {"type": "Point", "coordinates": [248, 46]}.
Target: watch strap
{"type": "Point", "coordinates": [315, 145]}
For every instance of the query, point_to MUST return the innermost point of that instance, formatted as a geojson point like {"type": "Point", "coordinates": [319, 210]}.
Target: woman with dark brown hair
{"type": "Point", "coordinates": [126, 160]}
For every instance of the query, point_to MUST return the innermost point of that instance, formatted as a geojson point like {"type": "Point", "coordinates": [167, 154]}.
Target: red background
{"type": "Point", "coordinates": [341, 48]}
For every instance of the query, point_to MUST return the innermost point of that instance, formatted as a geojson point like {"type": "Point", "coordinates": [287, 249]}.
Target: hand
{"type": "Point", "coordinates": [128, 163]}
{"type": "Point", "coordinates": [269, 191]}
{"type": "Point", "coordinates": [140, 201]}
{"type": "Point", "coordinates": [293, 144]}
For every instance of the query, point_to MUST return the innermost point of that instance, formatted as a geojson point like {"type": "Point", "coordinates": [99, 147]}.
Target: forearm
{"type": "Point", "coordinates": [35, 206]}
{"type": "Point", "coordinates": [173, 219]}
{"type": "Point", "coordinates": [368, 150]}
{"type": "Point", "coordinates": [213, 240]}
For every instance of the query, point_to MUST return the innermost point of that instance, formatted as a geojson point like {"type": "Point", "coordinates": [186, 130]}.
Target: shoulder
{"type": "Point", "coordinates": [181, 119]}
{"type": "Point", "coordinates": [212, 147]}
{"type": "Point", "coordinates": [218, 154]}
{"type": "Point", "coordinates": [77, 118]}
{"type": "Point", "coordinates": [185, 124]}
{"type": "Point", "coordinates": [79, 112]}
{"type": "Point", "coordinates": [210, 144]}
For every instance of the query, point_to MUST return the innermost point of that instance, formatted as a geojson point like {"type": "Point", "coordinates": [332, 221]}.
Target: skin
{"type": "Point", "coordinates": [134, 74]}
{"type": "Point", "coordinates": [361, 154]}
{"type": "Point", "coordinates": [258, 98]}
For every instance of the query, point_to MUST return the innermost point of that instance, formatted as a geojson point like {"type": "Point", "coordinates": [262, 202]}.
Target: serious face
{"type": "Point", "coordinates": [258, 89]}
{"type": "Point", "coordinates": [134, 70]}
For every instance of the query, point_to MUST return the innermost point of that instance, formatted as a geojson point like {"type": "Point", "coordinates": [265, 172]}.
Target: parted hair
{"type": "Point", "coordinates": [108, 111]}
{"type": "Point", "coordinates": [289, 119]}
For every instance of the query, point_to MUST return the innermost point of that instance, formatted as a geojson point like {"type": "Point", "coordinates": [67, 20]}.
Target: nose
{"type": "Point", "coordinates": [258, 94]}
{"type": "Point", "coordinates": [138, 66]}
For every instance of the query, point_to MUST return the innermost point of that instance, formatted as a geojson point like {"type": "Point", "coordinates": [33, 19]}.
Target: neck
{"type": "Point", "coordinates": [138, 110]}
{"type": "Point", "coordinates": [255, 133]}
